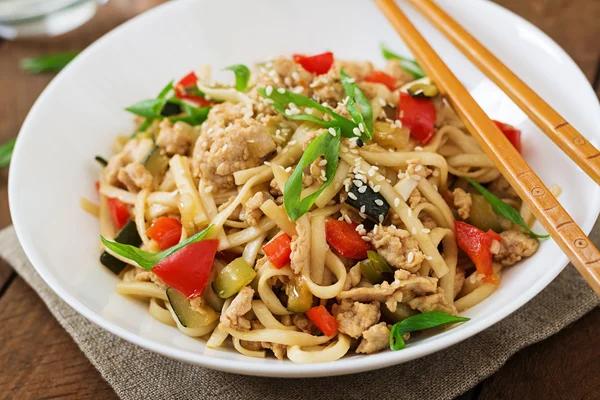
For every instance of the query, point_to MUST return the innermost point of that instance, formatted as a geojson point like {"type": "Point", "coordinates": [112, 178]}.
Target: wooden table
{"type": "Point", "coordinates": [38, 359]}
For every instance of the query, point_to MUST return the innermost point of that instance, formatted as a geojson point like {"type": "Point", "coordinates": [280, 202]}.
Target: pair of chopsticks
{"type": "Point", "coordinates": [553, 217]}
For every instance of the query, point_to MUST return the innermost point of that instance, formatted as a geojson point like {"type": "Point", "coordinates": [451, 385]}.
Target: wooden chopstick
{"type": "Point", "coordinates": [567, 234]}
{"type": "Point", "coordinates": [563, 134]}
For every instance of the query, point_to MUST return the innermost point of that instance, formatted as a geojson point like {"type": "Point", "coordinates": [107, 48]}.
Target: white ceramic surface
{"type": "Point", "coordinates": [81, 112]}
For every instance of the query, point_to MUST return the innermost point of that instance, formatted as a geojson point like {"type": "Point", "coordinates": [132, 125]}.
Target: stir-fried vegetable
{"type": "Point", "coordinates": [119, 213]}
{"type": "Point", "coordinates": [358, 107]}
{"type": "Point", "coordinates": [323, 320]}
{"type": "Point", "coordinates": [423, 90]}
{"type": "Point", "coordinates": [482, 216]}
{"type": "Point", "coordinates": [327, 145]}
{"type": "Point", "coordinates": [6, 151]}
{"type": "Point", "coordinates": [128, 235]}
{"type": "Point", "coordinates": [187, 89]}
{"type": "Point", "coordinates": [186, 315]}
{"type": "Point", "coordinates": [278, 250]}
{"type": "Point", "coordinates": [477, 245]}
{"type": "Point", "coordinates": [282, 98]}
{"type": "Point", "coordinates": [344, 238]}
{"type": "Point", "coordinates": [382, 78]}
{"type": "Point", "coordinates": [503, 209]}
{"type": "Point", "coordinates": [418, 115]}
{"type": "Point", "coordinates": [300, 298]}
{"type": "Point", "coordinates": [419, 322]}
{"type": "Point", "coordinates": [410, 66]}
{"type": "Point", "coordinates": [242, 76]}
{"type": "Point", "coordinates": [511, 133]}
{"type": "Point", "coordinates": [402, 312]}
{"type": "Point", "coordinates": [157, 163]}
{"type": "Point", "coordinates": [166, 231]}
{"type": "Point", "coordinates": [101, 160]}
{"type": "Point", "coordinates": [233, 278]}
{"type": "Point", "coordinates": [318, 64]}
{"type": "Point", "coordinates": [49, 63]}
{"type": "Point", "coordinates": [376, 269]}
{"type": "Point", "coordinates": [368, 202]}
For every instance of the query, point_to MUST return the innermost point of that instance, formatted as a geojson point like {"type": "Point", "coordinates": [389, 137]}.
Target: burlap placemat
{"type": "Point", "coordinates": [135, 373]}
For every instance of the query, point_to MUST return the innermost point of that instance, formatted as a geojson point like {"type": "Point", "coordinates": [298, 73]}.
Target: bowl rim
{"type": "Point", "coordinates": [347, 365]}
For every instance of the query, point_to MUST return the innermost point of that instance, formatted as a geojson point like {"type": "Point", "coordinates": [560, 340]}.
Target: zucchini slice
{"type": "Point", "coordinates": [233, 278]}
{"type": "Point", "coordinates": [156, 163]}
{"type": "Point", "coordinates": [367, 202]}
{"type": "Point", "coordinates": [300, 298]}
{"type": "Point", "coordinates": [186, 316]}
{"type": "Point", "coordinates": [128, 235]}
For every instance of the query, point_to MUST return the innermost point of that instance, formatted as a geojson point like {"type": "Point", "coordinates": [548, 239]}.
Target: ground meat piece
{"type": "Point", "coordinates": [284, 72]}
{"type": "Point", "coordinates": [433, 302]}
{"type": "Point", "coordinates": [175, 138]}
{"type": "Point", "coordinates": [428, 222]}
{"type": "Point", "coordinates": [310, 136]}
{"type": "Point", "coordinates": [302, 322]}
{"type": "Point", "coordinates": [398, 248]}
{"type": "Point", "coordinates": [327, 88]}
{"type": "Point", "coordinates": [198, 304]}
{"type": "Point", "coordinates": [274, 189]}
{"type": "Point", "coordinates": [459, 281]}
{"type": "Point", "coordinates": [251, 212]}
{"type": "Point", "coordinates": [463, 202]}
{"type": "Point", "coordinates": [358, 70]}
{"type": "Point", "coordinates": [233, 317]}
{"type": "Point", "coordinates": [128, 155]}
{"type": "Point", "coordinates": [405, 287]}
{"type": "Point", "coordinates": [501, 188]}
{"type": "Point", "coordinates": [394, 68]}
{"type": "Point", "coordinates": [415, 198]}
{"type": "Point", "coordinates": [300, 249]}
{"type": "Point", "coordinates": [514, 246]}
{"type": "Point", "coordinates": [135, 177]}
{"type": "Point", "coordinates": [378, 91]}
{"type": "Point", "coordinates": [229, 143]}
{"type": "Point", "coordinates": [278, 349]}
{"type": "Point", "coordinates": [415, 168]}
{"type": "Point", "coordinates": [374, 339]}
{"type": "Point", "coordinates": [354, 317]}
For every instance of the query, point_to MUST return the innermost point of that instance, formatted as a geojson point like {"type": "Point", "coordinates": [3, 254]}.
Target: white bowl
{"type": "Point", "coordinates": [81, 112]}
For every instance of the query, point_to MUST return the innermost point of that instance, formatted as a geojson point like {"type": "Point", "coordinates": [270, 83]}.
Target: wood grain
{"type": "Point", "coordinates": [38, 359]}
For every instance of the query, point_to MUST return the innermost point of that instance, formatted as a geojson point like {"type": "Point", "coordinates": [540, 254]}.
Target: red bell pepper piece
{"type": "Point", "coordinates": [278, 250]}
{"type": "Point", "coordinates": [188, 269]}
{"type": "Point", "coordinates": [418, 115]}
{"type": "Point", "coordinates": [166, 231]}
{"type": "Point", "coordinates": [477, 245]}
{"type": "Point", "coordinates": [323, 320]}
{"type": "Point", "coordinates": [511, 133]}
{"type": "Point", "coordinates": [319, 64]}
{"type": "Point", "coordinates": [382, 78]}
{"type": "Point", "coordinates": [186, 89]}
{"type": "Point", "coordinates": [343, 237]}
{"type": "Point", "coordinates": [119, 213]}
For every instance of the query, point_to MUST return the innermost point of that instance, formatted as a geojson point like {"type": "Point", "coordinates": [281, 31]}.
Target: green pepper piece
{"type": "Point", "coordinates": [375, 269]}
{"type": "Point", "coordinates": [300, 298]}
{"type": "Point", "coordinates": [422, 90]}
{"type": "Point", "coordinates": [402, 312]}
{"type": "Point", "coordinates": [482, 216]}
{"type": "Point", "coordinates": [233, 278]}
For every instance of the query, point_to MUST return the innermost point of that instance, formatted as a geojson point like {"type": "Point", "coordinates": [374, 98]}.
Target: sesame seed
{"type": "Point", "coordinates": [225, 147]}
{"type": "Point", "coordinates": [380, 218]}
{"type": "Point", "coordinates": [362, 189]}
{"type": "Point", "coordinates": [360, 176]}
{"type": "Point", "coordinates": [366, 238]}
{"type": "Point", "coordinates": [410, 258]}
{"type": "Point", "coordinates": [292, 142]}
{"type": "Point", "coordinates": [357, 183]}
{"type": "Point", "coordinates": [425, 230]}
{"type": "Point", "coordinates": [418, 148]}
{"type": "Point", "coordinates": [409, 212]}
{"type": "Point", "coordinates": [415, 177]}
{"type": "Point", "coordinates": [322, 163]}
{"type": "Point", "coordinates": [324, 178]}
{"type": "Point", "coordinates": [414, 231]}
{"type": "Point", "coordinates": [396, 202]}
{"type": "Point", "coordinates": [281, 90]}
{"type": "Point", "coordinates": [361, 127]}
{"type": "Point", "coordinates": [382, 102]}
{"type": "Point", "coordinates": [379, 202]}
{"type": "Point", "coordinates": [347, 218]}
{"type": "Point", "coordinates": [380, 178]}
{"type": "Point", "coordinates": [332, 131]}
{"type": "Point", "coordinates": [288, 169]}
{"type": "Point", "coordinates": [377, 188]}
{"type": "Point", "coordinates": [354, 151]}
{"type": "Point", "coordinates": [267, 163]}
{"type": "Point", "coordinates": [401, 175]}
{"type": "Point", "coordinates": [436, 172]}
{"type": "Point", "coordinates": [269, 90]}
{"type": "Point", "coordinates": [344, 149]}
{"type": "Point", "coordinates": [428, 258]}
{"type": "Point", "coordinates": [296, 76]}
{"type": "Point", "coordinates": [351, 80]}
{"type": "Point", "coordinates": [356, 131]}
{"type": "Point", "coordinates": [363, 208]}
{"type": "Point", "coordinates": [359, 227]}
{"type": "Point", "coordinates": [371, 172]}
{"type": "Point", "coordinates": [418, 167]}
{"type": "Point", "coordinates": [352, 196]}
{"type": "Point", "coordinates": [208, 189]}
